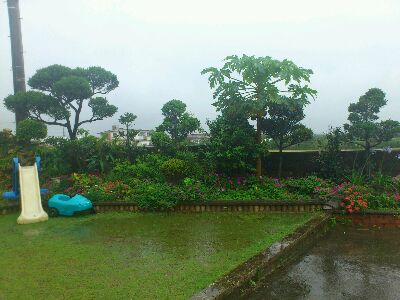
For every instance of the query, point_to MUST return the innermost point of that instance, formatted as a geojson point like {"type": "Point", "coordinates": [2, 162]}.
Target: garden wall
{"type": "Point", "coordinates": [374, 219]}
{"type": "Point", "coordinates": [302, 163]}
{"type": "Point", "coordinates": [8, 209]}
{"type": "Point", "coordinates": [231, 206]}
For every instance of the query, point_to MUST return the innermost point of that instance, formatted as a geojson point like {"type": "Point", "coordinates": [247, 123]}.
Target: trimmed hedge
{"type": "Point", "coordinates": [298, 164]}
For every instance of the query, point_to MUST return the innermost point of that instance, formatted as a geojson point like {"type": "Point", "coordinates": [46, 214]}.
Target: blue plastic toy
{"type": "Point", "coordinates": [64, 205]}
{"type": "Point", "coordinates": [14, 194]}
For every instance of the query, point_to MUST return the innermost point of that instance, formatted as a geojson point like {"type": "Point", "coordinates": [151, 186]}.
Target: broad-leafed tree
{"type": "Point", "coordinates": [250, 84]}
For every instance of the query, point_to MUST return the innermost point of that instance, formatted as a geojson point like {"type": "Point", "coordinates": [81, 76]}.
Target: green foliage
{"type": "Point", "coordinates": [146, 167]}
{"type": "Point", "coordinates": [85, 154]}
{"type": "Point", "coordinates": [178, 123]}
{"type": "Point", "coordinates": [283, 126]}
{"type": "Point", "coordinates": [162, 142]}
{"type": "Point", "coordinates": [381, 182]}
{"type": "Point", "coordinates": [248, 85]}
{"type": "Point", "coordinates": [174, 170]}
{"type": "Point", "coordinates": [6, 139]}
{"type": "Point", "coordinates": [198, 165]}
{"type": "Point", "coordinates": [232, 145]}
{"type": "Point", "coordinates": [155, 196]}
{"type": "Point", "coordinates": [60, 94]}
{"type": "Point", "coordinates": [128, 119]}
{"type": "Point", "coordinates": [193, 190]}
{"type": "Point", "coordinates": [30, 130]}
{"type": "Point", "coordinates": [304, 186]}
{"type": "Point", "coordinates": [383, 201]}
{"type": "Point", "coordinates": [330, 161]}
{"type": "Point", "coordinates": [363, 127]}
{"type": "Point", "coordinates": [357, 178]}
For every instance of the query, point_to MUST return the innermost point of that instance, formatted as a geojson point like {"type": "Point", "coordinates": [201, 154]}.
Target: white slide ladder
{"type": "Point", "coordinates": [31, 201]}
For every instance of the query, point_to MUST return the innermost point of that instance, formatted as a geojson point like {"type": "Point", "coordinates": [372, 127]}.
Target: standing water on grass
{"type": "Point", "coordinates": [348, 263]}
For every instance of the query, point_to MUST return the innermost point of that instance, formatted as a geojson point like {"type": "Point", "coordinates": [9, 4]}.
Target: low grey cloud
{"type": "Point", "coordinates": [158, 48]}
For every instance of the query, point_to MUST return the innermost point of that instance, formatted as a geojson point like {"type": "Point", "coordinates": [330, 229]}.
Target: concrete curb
{"type": "Point", "coordinates": [244, 278]}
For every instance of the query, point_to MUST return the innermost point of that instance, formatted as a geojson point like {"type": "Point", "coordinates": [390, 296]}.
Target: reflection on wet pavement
{"type": "Point", "coordinates": [349, 263]}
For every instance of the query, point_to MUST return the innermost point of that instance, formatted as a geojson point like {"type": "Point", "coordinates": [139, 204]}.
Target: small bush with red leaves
{"type": "Point", "coordinates": [354, 201]}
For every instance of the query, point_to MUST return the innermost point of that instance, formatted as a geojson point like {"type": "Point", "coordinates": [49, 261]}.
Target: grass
{"type": "Point", "coordinates": [131, 256]}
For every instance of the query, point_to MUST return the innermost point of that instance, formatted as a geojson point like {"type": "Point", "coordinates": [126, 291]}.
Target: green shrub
{"type": "Point", "coordinates": [193, 190]}
{"type": "Point", "coordinates": [31, 130]}
{"type": "Point", "coordinates": [147, 167]}
{"type": "Point", "coordinates": [155, 196]}
{"type": "Point", "coordinates": [175, 170]}
{"type": "Point", "coordinates": [384, 201]}
{"type": "Point", "coordinates": [6, 139]}
{"type": "Point", "coordinates": [87, 154]}
{"type": "Point", "coordinates": [382, 182]}
{"type": "Point", "coordinates": [304, 186]}
{"type": "Point", "coordinates": [198, 167]}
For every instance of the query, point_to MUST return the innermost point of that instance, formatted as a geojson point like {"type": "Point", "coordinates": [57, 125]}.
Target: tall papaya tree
{"type": "Point", "coordinates": [250, 84]}
{"type": "Point", "coordinates": [59, 94]}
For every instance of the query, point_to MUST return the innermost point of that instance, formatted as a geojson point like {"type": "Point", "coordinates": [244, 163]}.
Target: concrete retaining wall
{"type": "Point", "coordinates": [369, 219]}
{"type": "Point", "coordinates": [9, 209]}
{"type": "Point", "coordinates": [244, 278]}
{"type": "Point", "coordinates": [249, 206]}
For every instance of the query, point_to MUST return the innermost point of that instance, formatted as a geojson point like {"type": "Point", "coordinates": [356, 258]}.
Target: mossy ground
{"type": "Point", "coordinates": [131, 256]}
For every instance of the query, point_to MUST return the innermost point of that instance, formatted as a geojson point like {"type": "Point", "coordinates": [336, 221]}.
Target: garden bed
{"type": "Point", "coordinates": [124, 255]}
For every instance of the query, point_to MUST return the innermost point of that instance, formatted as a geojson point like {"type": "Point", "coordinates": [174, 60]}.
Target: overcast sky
{"type": "Point", "coordinates": [158, 49]}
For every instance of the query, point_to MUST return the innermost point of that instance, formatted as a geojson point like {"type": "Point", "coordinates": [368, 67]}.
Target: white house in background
{"type": "Point", "coordinates": [143, 137]}
{"type": "Point", "coordinates": [197, 137]}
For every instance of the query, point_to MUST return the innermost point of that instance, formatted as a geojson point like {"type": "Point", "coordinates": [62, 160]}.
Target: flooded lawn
{"type": "Point", "coordinates": [131, 256]}
{"type": "Point", "coordinates": [349, 263]}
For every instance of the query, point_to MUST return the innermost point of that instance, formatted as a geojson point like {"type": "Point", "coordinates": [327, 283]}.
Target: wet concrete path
{"type": "Point", "coordinates": [348, 263]}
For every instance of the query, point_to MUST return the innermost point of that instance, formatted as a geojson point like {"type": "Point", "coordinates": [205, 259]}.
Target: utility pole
{"type": "Point", "coordinates": [17, 54]}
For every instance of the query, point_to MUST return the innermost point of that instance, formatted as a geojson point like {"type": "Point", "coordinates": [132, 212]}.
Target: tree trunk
{"type": "Point", "coordinates": [280, 163]}
{"type": "Point", "coordinates": [17, 54]}
{"type": "Point", "coordinates": [71, 133]}
{"type": "Point", "coordinates": [367, 156]}
{"type": "Point", "coordinates": [258, 142]}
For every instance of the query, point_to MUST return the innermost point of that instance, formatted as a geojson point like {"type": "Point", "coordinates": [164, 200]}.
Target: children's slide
{"type": "Point", "coordinates": [31, 202]}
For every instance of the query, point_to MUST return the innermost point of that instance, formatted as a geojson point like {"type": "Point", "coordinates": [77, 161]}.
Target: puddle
{"type": "Point", "coordinates": [348, 263]}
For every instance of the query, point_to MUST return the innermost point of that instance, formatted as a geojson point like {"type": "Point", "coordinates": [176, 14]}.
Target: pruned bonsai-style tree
{"type": "Point", "coordinates": [363, 128]}
{"type": "Point", "coordinates": [60, 94]}
{"type": "Point", "coordinates": [249, 85]}
{"type": "Point", "coordinates": [177, 123]}
{"type": "Point", "coordinates": [284, 128]}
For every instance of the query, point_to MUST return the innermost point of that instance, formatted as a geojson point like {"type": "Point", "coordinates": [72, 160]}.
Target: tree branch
{"type": "Point", "coordinates": [39, 118]}
{"type": "Point", "coordinates": [276, 81]}
{"type": "Point", "coordinates": [92, 119]}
